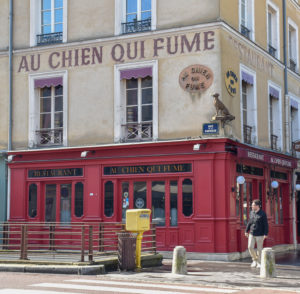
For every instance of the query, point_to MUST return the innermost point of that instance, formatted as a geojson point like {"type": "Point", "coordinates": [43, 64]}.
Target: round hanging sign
{"type": "Point", "coordinates": [196, 78]}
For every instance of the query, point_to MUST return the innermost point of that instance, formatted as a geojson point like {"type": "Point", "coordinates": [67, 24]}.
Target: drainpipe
{"type": "Point", "coordinates": [287, 115]}
{"type": "Point", "coordinates": [9, 147]}
{"type": "Point", "coordinates": [10, 73]}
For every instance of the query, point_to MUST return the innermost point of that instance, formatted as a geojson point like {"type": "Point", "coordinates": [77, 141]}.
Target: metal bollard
{"type": "Point", "coordinates": [268, 266]}
{"type": "Point", "coordinates": [179, 265]}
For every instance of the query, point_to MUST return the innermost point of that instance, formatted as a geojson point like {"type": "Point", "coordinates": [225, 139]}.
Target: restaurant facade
{"type": "Point", "coordinates": [188, 115]}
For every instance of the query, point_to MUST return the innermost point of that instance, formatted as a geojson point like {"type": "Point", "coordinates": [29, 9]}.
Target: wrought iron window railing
{"type": "Point", "coordinates": [272, 50]}
{"type": "Point", "coordinates": [247, 134]}
{"type": "Point", "coordinates": [274, 141]}
{"type": "Point", "coordinates": [136, 26]}
{"type": "Point", "coordinates": [293, 65]}
{"type": "Point", "coordinates": [49, 137]}
{"type": "Point", "coordinates": [46, 39]}
{"type": "Point", "coordinates": [137, 131]}
{"type": "Point", "coordinates": [245, 31]}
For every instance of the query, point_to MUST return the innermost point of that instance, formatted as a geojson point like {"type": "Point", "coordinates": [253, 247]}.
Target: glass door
{"type": "Point", "coordinates": [58, 202]}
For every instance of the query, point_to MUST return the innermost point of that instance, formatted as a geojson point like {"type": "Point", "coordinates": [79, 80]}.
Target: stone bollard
{"type": "Point", "coordinates": [268, 266]}
{"type": "Point", "coordinates": [179, 265]}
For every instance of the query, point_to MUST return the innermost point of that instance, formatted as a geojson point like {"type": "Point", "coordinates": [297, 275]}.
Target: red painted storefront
{"type": "Point", "coordinates": [192, 193]}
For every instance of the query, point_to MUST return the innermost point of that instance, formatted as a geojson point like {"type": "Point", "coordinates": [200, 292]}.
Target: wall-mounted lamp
{"type": "Point", "coordinates": [196, 147]}
{"type": "Point", "coordinates": [297, 187]}
{"type": "Point", "coordinates": [85, 153]}
{"type": "Point", "coordinates": [10, 158]}
{"type": "Point", "coordinates": [240, 180]}
{"type": "Point", "coordinates": [274, 184]}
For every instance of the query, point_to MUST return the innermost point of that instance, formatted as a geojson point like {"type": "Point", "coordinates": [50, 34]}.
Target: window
{"type": "Point", "coordinates": [273, 29]}
{"type": "Point", "coordinates": [187, 197]}
{"type": "Point", "coordinates": [109, 199]}
{"type": "Point", "coordinates": [248, 107]}
{"type": "Point", "coordinates": [275, 118]}
{"type": "Point", "coordinates": [136, 102]}
{"type": "Point", "coordinates": [65, 203]}
{"type": "Point", "coordinates": [48, 21]}
{"type": "Point", "coordinates": [158, 203]}
{"type": "Point", "coordinates": [78, 200]}
{"type": "Point", "coordinates": [173, 203]}
{"type": "Point", "coordinates": [47, 107]}
{"type": "Point", "coordinates": [295, 121]}
{"type": "Point", "coordinates": [139, 114]}
{"type": "Point", "coordinates": [32, 201]}
{"type": "Point", "coordinates": [135, 16]}
{"type": "Point", "coordinates": [293, 46]}
{"type": "Point", "coordinates": [247, 18]}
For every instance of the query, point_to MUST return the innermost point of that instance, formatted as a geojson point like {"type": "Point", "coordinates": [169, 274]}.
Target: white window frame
{"type": "Point", "coordinates": [275, 42]}
{"type": "Point", "coordinates": [120, 15]}
{"type": "Point", "coordinates": [277, 113]}
{"type": "Point", "coordinates": [35, 20]}
{"type": "Point", "coordinates": [34, 102]}
{"type": "Point", "coordinates": [253, 115]}
{"type": "Point", "coordinates": [292, 24]}
{"type": "Point", "coordinates": [249, 14]}
{"type": "Point", "coordinates": [119, 97]}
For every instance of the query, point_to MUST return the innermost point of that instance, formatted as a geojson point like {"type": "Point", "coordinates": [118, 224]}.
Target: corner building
{"type": "Point", "coordinates": [113, 108]}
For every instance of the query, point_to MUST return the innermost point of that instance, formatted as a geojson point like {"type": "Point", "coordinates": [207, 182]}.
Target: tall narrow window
{"type": "Point", "coordinates": [139, 195]}
{"type": "Point", "coordinates": [293, 47]}
{"type": "Point", "coordinates": [78, 199]}
{"type": "Point", "coordinates": [51, 116]}
{"type": "Point", "coordinates": [139, 114]}
{"type": "Point", "coordinates": [109, 199]}
{"type": "Point", "coordinates": [273, 30]}
{"type": "Point", "coordinates": [32, 201]}
{"type": "Point", "coordinates": [173, 203]}
{"type": "Point", "coordinates": [138, 16]}
{"type": "Point", "coordinates": [187, 197]}
{"type": "Point", "coordinates": [125, 199]}
{"type": "Point", "coordinates": [246, 18]}
{"type": "Point", "coordinates": [51, 22]}
{"type": "Point", "coordinates": [275, 118]}
{"type": "Point", "coordinates": [50, 203]}
{"type": "Point", "coordinates": [248, 107]}
{"type": "Point", "coordinates": [65, 203]}
{"type": "Point", "coordinates": [158, 203]}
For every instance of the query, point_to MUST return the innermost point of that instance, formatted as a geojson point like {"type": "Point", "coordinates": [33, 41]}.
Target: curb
{"type": "Point", "coordinates": [50, 269]}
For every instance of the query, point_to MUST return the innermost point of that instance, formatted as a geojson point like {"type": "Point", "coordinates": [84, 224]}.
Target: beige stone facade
{"type": "Point", "coordinates": [93, 51]}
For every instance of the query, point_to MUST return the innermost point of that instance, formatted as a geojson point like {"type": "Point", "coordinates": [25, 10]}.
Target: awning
{"type": "Point", "coordinates": [136, 73]}
{"type": "Point", "coordinates": [294, 103]}
{"type": "Point", "coordinates": [48, 82]}
{"type": "Point", "coordinates": [273, 92]}
{"type": "Point", "coordinates": [247, 78]}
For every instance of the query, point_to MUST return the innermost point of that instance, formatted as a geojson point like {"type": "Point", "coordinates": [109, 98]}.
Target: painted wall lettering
{"type": "Point", "coordinates": [120, 52]}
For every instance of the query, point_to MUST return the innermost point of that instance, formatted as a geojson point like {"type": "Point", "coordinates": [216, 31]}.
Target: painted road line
{"type": "Point", "coordinates": [29, 291]}
{"type": "Point", "coordinates": [161, 286]}
{"type": "Point", "coordinates": [122, 290]}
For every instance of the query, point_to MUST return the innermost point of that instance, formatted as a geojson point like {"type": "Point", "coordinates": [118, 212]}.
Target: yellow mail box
{"type": "Point", "coordinates": [138, 220]}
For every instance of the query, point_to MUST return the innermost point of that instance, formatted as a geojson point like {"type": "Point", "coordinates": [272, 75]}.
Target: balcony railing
{"type": "Point", "coordinates": [293, 65]}
{"type": "Point", "coordinates": [137, 131]}
{"type": "Point", "coordinates": [272, 50]}
{"type": "Point", "coordinates": [136, 26]}
{"type": "Point", "coordinates": [274, 141]}
{"type": "Point", "coordinates": [245, 31]}
{"type": "Point", "coordinates": [46, 39]}
{"type": "Point", "coordinates": [49, 137]}
{"type": "Point", "coordinates": [247, 134]}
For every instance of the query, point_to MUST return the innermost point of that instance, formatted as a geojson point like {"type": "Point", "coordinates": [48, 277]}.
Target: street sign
{"type": "Point", "coordinates": [210, 129]}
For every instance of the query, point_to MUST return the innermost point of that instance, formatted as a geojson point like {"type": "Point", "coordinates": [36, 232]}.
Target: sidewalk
{"type": "Point", "coordinates": [219, 274]}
